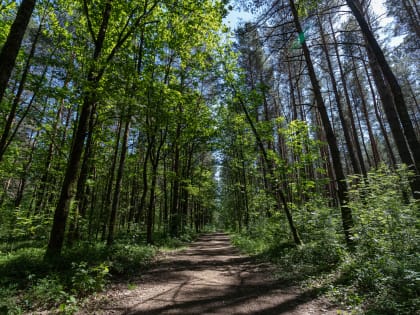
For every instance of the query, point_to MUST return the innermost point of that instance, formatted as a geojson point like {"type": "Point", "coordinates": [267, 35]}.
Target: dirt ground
{"type": "Point", "coordinates": [209, 277]}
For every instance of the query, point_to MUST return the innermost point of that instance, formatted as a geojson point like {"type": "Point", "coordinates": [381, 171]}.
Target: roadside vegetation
{"type": "Point", "coordinates": [127, 127]}
{"type": "Point", "coordinates": [29, 283]}
{"type": "Point", "coordinates": [380, 275]}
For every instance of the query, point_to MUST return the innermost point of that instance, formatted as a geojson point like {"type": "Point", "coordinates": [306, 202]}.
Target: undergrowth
{"type": "Point", "coordinates": [28, 283]}
{"type": "Point", "coordinates": [381, 275]}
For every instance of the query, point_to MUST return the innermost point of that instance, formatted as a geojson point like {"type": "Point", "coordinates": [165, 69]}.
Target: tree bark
{"type": "Point", "coordinates": [118, 182]}
{"type": "Point", "coordinates": [13, 42]}
{"type": "Point", "coordinates": [62, 209]}
{"type": "Point", "coordinates": [346, 214]}
{"type": "Point", "coordinates": [347, 136]}
{"type": "Point", "coordinates": [384, 70]}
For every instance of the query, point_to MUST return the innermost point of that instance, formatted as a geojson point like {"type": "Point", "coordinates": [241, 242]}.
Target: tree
{"type": "Point", "coordinates": [331, 139]}
{"type": "Point", "coordinates": [90, 96]}
{"type": "Point", "coordinates": [10, 49]}
{"type": "Point", "coordinates": [394, 104]}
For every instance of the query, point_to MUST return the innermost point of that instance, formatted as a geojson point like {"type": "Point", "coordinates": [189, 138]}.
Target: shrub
{"type": "Point", "coordinates": [45, 292]}
{"type": "Point", "coordinates": [87, 279]}
{"type": "Point", "coordinates": [127, 259]}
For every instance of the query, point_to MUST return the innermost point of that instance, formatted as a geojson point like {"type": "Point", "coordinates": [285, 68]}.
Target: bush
{"type": "Point", "coordinates": [384, 268]}
{"type": "Point", "coordinates": [9, 300]}
{"type": "Point", "coordinates": [45, 292]}
{"type": "Point", "coordinates": [86, 280]}
{"type": "Point", "coordinates": [15, 267]}
{"type": "Point", "coordinates": [127, 259]}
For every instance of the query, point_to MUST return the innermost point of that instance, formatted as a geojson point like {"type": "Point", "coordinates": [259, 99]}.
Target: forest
{"type": "Point", "coordinates": [130, 127]}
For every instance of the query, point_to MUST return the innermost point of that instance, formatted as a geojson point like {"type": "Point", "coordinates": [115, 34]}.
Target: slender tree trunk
{"type": "Point", "coordinates": [175, 215]}
{"type": "Point", "coordinates": [165, 198]}
{"type": "Point", "coordinates": [347, 218]}
{"type": "Point", "coordinates": [24, 178]}
{"type": "Point", "coordinates": [10, 49]}
{"type": "Point", "coordinates": [392, 158]}
{"type": "Point", "coordinates": [142, 203]}
{"type": "Point", "coordinates": [151, 207]}
{"type": "Point", "coordinates": [347, 136]}
{"type": "Point", "coordinates": [62, 209]}
{"type": "Point", "coordinates": [385, 72]}
{"type": "Point", "coordinates": [154, 159]}
{"type": "Point", "coordinates": [278, 192]}
{"type": "Point", "coordinates": [375, 152]}
{"type": "Point", "coordinates": [81, 193]}
{"type": "Point", "coordinates": [118, 182]}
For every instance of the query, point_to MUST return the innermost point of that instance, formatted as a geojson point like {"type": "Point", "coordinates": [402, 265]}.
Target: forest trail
{"type": "Point", "coordinates": [209, 277]}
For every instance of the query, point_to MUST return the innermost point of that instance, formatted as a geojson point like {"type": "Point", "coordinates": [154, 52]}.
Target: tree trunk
{"type": "Point", "coordinates": [117, 190]}
{"type": "Point", "coordinates": [62, 209]}
{"type": "Point", "coordinates": [347, 136]}
{"type": "Point", "coordinates": [377, 57]}
{"type": "Point", "coordinates": [346, 214]}
{"type": "Point", "coordinates": [175, 215]}
{"type": "Point", "coordinates": [13, 42]}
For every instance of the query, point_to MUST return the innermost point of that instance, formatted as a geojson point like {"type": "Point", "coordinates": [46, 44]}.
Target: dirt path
{"type": "Point", "coordinates": [210, 277]}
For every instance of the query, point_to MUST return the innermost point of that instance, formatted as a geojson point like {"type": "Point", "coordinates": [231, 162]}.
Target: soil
{"type": "Point", "coordinates": [209, 277]}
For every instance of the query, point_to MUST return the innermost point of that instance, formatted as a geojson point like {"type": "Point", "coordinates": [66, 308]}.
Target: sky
{"type": "Point", "coordinates": [237, 16]}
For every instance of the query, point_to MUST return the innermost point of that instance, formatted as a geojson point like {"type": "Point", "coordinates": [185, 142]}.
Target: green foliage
{"type": "Point", "coordinates": [45, 292]}
{"type": "Point", "coordinates": [9, 300]}
{"type": "Point", "coordinates": [29, 283]}
{"type": "Point", "coordinates": [31, 225]}
{"type": "Point", "coordinates": [385, 268]}
{"type": "Point", "coordinates": [381, 276]}
{"type": "Point", "coordinates": [19, 264]}
{"type": "Point", "coordinates": [294, 262]}
{"type": "Point", "coordinates": [249, 245]}
{"type": "Point", "coordinates": [129, 259]}
{"type": "Point", "coordinates": [87, 279]}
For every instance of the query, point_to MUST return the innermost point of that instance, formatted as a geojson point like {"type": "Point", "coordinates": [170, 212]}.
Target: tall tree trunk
{"type": "Point", "coordinates": [117, 190]}
{"type": "Point", "coordinates": [346, 215]}
{"type": "Point", "coordinates": [81, 193]}
{"type": "Point", "coordinates": [375, 152]}
{"type": "Point", "coordinates": [10, 49]}
{"type": "Point", "coordinates": [154, 158]}
{"type": "Point", "coordinates": [277, 191]}
{"type": "Point", "coordinates": [142, 202]}
{"type": "Point", "coordinates": [62, 209]}
{"type": "Point", "coordinates": [394, 122]}
{"type": "Point", "coordinates": [385, 72]}
{"type": "Point", "coordinates": [347, 136]}
{"type": "Point", "coordinates": [390, 150]}
{"type": "Point", "coordinates": [175, 215]}
{"type": "Point", "coordinates": [24, 178]}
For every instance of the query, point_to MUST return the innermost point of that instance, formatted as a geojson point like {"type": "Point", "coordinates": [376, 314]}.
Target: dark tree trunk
{"type": "Point", "coordinates": [62, 209]}
{"type": "Point", "coordinates": [394, 122]}
{"type": "Point", "coordinates": [277, 191]}
{"type": "Point", "coordinates": [142, 202]}
{"type": "Point", "coordinates": [117, 190]}
{"type": "Point", "coordinates": [5, 139]}
{"type": "Point", "coordinates": [385, 72]}
{"type": "Point", "coordinates": [392, 158]}
{"type": "Point", "coordinates": [13, 42]}
{"type": "Point", "coordinates": [346, 214]}
{"type": "Point", "coordinates": [347, 136]}
{"type": "Point", "coordinates": [175, 215]}
{"type": "Point", "coordinates": [81, 198]}
{"type": "Point", "coordinates": [375, 152]}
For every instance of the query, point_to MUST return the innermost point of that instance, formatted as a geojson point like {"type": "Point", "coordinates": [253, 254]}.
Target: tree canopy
{"type": "Point", "coordinates": [135, 121]}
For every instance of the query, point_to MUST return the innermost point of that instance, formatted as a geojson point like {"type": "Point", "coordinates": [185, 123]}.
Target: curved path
{"type": "Point", "coordinates": [209, 277]}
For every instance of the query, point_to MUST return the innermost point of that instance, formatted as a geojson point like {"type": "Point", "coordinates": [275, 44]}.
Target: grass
{"type": "Point", "coordinates": [28, 283]}
{"type": "Point", "coordinates": [363, 282]}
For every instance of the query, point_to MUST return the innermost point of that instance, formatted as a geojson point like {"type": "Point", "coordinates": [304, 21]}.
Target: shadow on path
{"type": "Point", "coordinates": [212, 277]}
